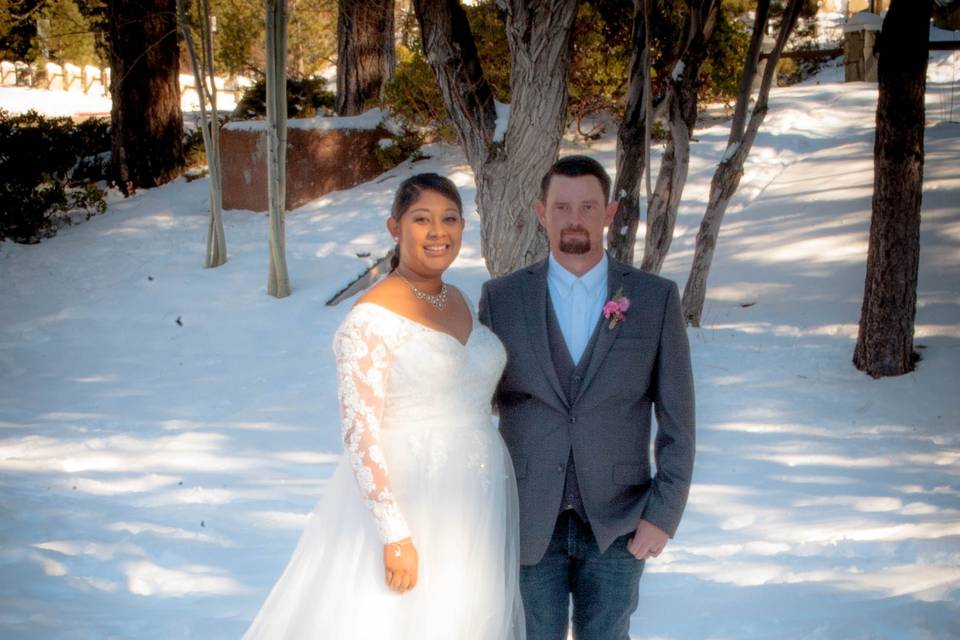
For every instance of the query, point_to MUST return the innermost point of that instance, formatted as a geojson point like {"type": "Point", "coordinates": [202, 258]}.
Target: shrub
{"type": "Point", "coordinates": [726, 54]}
{"type": "Point", "coordinates": [602, 49]}
{"type": "Point", "coordinates": [412, 95]}
{"type": "Point", "coordinates": [305, 99]}
{"type": "Point", "coordinates": [239, 41]}
{"type": "Point", "coordinates": [393, 151]}
{"type": "Point", "coordinates": [39, 161]}
{"type": "Point", "coordinates": [600, 66]}
{"type": "Point", "coordinates": [728, 51]}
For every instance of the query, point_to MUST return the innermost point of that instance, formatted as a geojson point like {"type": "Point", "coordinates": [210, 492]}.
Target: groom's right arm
{"type": "Point", "coordinates": [484, 311]}
{"type": "Point", "coordinates": [485, 319]}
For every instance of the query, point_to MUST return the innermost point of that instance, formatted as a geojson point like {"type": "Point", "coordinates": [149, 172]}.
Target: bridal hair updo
{"type": "Point", "coordinates": [409, 192]}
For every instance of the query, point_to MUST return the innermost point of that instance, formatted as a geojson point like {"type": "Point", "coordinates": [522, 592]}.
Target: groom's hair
{"type": "Point", "coordinates": [574, 167]}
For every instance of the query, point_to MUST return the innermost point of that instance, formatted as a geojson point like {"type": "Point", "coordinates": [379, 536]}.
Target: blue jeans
{"type": "Point", "coordinates": [604, 587]}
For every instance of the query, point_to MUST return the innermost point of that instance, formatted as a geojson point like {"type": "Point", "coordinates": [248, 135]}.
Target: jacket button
{"type": "Point", "coordinates": [560, 467]}
{"type": "Point", "coordinates": [573, 419]}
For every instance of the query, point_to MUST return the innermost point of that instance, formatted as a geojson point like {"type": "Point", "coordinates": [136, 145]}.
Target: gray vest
{"type": "Point", "coordinates": [570, 378]}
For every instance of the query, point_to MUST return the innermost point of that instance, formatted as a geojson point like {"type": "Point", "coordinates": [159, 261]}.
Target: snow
{"type": "Point", "coordinates": [863, 21]}
{"type": "Point", "coordinates": [829, 28]}
{"type": "Point", "coordinates": [677, 72]}
{"type": "Point", "coordinates": [730, 151]}
{"type": "Point", "coordinates": [52, 103]}
{"type": "Point", "coordinates": [166, 429]}
{"type": "Point", "coordinates": [503, 119]}
{"type": "Point", "coordinates": [365, 121]}
{"type": "Point", "coordinates": [56, 102]}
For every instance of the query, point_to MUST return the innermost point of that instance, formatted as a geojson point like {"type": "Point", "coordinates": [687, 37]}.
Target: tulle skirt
{"type": "Point", "coordinates": [457, 492]}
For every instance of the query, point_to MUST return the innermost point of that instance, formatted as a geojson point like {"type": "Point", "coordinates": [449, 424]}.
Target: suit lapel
{"type": "Point", "coordinates": [535, 295]}
{"type": "Point", "coordinates": [616, 279]}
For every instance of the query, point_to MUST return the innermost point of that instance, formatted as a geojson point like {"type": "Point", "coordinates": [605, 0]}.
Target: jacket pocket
{"type": "Point", "coordinates": [510, 398]}
{"type": "Point", "coordinates": [628, 474]}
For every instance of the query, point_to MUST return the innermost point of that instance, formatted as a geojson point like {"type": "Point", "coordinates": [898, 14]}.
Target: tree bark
{"type": "Point", "coordinates": [726, 179]}
{"type": "Point", "coordinates": [681, 98]}
{"type": "Point", "coordinates": [365, 52]}
{"type": "Point", "coordinates": [450, 49]}
{"type": "Point", "coordinates": [631, 145]}
{"type": "Point", "coordinates": [210, 128]}
{"type": "Point", "coordinates": [278, 282]}
{"type": "Point", "coordinates": [146, 120]}
{"type": "Point", "coordinates": [885, 338]}
{"type": "Point", "coordinates": [508, 172]}
{"type": "Point", "coordinates": [750, 65]}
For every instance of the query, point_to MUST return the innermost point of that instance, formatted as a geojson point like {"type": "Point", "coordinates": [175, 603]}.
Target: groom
{"type": "Point", "coordinates": [592, 346]}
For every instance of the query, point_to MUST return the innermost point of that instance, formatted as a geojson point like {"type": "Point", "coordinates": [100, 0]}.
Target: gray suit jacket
{"type": "Point", "coordinates": [642, 363]}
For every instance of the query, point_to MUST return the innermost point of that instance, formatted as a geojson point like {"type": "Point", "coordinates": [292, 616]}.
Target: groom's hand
{"type": "Point", "coordinates": [400, 563]}
{"type": "Point", "coordinates": [648, 541]}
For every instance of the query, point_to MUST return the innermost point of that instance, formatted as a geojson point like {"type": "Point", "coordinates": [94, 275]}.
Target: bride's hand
{"type": "Point", "coordinates": [400, 562]}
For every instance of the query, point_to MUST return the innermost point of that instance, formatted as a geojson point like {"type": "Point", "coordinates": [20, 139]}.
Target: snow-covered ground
{"type": "Point", "coordinates": [77, 103]}
{"type": "Point", "coordinates": [165, 429]}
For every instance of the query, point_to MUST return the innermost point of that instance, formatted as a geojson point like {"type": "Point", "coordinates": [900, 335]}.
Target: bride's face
{"type": "Point", "coordinates": [428, 233]}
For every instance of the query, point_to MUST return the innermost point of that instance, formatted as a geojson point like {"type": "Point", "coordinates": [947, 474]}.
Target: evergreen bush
{"type": "Point", "coordinates": [412, 95]}
{"type": "Point", "coordinates": [602, 50]}
{"type": "Point", "coordinates": [305, 99]}
{"type": "Point", "coordinates": [41, 161]}
{"type": "Point", "coordinates": [393, 151]}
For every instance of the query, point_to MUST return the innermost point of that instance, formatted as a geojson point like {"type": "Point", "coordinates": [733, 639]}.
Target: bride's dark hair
{"type": "Point", "coordinates": [409, 192]}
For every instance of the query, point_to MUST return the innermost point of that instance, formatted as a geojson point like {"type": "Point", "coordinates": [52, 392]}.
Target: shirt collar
{"type": "Point", "coordinates": [564, 280]}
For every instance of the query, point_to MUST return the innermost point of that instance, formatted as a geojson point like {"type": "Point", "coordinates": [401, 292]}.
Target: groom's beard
{"type": "Point", "coordinates": [575, 240]}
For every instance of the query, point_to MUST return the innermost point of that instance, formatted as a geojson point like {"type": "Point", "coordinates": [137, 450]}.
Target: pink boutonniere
{"type": "Point", "coordinates": [615, 310]}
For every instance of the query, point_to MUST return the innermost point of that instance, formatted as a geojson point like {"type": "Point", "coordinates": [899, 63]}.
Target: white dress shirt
{"type": "Point", "coordinates": [577, 302]}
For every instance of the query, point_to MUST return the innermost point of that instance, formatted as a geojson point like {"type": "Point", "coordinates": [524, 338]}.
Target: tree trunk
{"type": "Point", "coordinates": [216, 237]}
{"type": "Point", "coordinates": [726, 179]}
{"type": "Point", "coordinates": [631, 146]}
{"type": "Point", "coordinates": [146, 121]}
{"type": "Point", "coordinates": [278, 283]}
{"type": "Point", "coordinates": [748, 77]}
{"type": "Point", "coordinates": [681, 98]}
{"type": "Point", "coordinates": [885, 338]}
{"type": "Point", "coordinates": [365, 52]}
{"type": "Point", "coordinates": [210, 128]}
{"type": "Point", "coordinates": [540, 35]}
{"type": "Point", "coordinates": [671, 179]}
{"type": "Point", "coordinates": [508, 172]}
{"type": "Point", "coordinates": [450, 49]}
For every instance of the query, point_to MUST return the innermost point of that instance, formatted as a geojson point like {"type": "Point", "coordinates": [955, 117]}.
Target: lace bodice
{"type": "Point", "coordinates": [395, 373]}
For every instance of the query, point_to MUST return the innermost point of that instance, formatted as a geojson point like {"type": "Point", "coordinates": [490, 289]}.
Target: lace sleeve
{"type": "Point", "coordinates": [363, 368]}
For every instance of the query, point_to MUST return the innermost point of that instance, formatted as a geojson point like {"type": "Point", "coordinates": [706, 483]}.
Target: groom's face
{"type": "Point", "coordinates": [574, 215]}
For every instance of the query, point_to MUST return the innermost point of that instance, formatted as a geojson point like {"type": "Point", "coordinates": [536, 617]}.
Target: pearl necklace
{"type": "Point", "coordinates": [437, 300]}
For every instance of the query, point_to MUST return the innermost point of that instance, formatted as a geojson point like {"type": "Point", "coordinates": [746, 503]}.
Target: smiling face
{"type": "Point", "coordinates": [574, 213]}
{"type": "Point", "coordinates": [429, 233]}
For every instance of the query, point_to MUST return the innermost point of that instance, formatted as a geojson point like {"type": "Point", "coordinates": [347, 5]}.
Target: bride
{"type": "Point", "coordinates": [416, 535]}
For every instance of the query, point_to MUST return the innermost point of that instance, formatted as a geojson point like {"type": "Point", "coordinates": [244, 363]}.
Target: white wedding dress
{"type": "Point", "coordinates": [422, 459]}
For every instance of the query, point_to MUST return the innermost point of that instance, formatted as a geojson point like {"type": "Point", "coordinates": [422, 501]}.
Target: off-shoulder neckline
{"type": "Point", "coordinates": [473, 320]}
